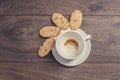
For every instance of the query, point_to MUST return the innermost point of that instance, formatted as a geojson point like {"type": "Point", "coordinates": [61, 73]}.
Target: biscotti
{"type": "Point", "coordinates": [75, 19]}
{"type": "Point", "coordinates": [49, 31]}
{"type": "Point", "coordinates": [46, 47]}
{"type": "Point", "coordinates": [60, 21]}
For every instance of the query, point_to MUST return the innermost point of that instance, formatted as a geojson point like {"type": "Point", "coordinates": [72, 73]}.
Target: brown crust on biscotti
{"type": "Point", "coordinates": [76, 19]}
{"type": "Point", "coordinates": [60, 21]}
{"type": "Point", "coordinates": [46, 47]}
{"type": "Point", "coordinates": [49, 31]}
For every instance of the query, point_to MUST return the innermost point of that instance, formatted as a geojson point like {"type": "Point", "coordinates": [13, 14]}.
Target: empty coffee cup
{"type": "Point", "coordinates": [70, 44]}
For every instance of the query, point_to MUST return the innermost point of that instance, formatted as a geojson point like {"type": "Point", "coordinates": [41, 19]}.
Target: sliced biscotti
{"type": "Point", "coordinates": [46, 47]}
{"type": "Point", "coordinates": [49, 31]}
{"type": "Point", "coordinates": [60, 21]}
{"type": "Point", "coordinates": [75, 19]}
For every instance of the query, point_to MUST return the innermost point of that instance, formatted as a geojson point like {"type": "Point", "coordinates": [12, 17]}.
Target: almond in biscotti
{"type": "Point", "coordinates": [60, 21]}
{"type": "Point", "coordinates": [76, 19]}
{"type": "Point", "coordinates": [49, 31]}
{"type": "Point", "coordinates": [46, 47]}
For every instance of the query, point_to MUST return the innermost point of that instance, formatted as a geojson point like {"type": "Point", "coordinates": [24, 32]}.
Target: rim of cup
{"type": "Point", "coordinates": [84, 39]}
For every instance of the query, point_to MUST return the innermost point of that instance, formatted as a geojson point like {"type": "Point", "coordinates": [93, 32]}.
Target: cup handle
{"type": "Point", "coordinates": [88, 37]}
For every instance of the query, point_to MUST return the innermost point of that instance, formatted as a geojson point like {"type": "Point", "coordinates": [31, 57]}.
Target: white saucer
{"type": "Point", "coordinates": [76, 61]}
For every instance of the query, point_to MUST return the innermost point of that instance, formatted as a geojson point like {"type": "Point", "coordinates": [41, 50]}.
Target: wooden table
{"type": "Point", "coordinates": [21, 20]}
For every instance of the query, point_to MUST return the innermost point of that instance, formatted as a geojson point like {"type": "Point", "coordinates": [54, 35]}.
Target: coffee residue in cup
{"type": "Point", "coordinates": [71, 42]}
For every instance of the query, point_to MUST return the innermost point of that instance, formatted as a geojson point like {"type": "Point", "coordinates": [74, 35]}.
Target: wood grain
{"type": "Point", "coordinates": [48, 7]}
{"type": "Point", "coordinates": [20, 39]}
{"type": "Point", "coordinates": [21, 20]}
{"type": "Point", "coordinates": [53, 71]}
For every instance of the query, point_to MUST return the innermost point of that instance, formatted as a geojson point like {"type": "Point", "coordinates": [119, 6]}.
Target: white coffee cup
{"type": "Point", "coordinates": [71, 43]}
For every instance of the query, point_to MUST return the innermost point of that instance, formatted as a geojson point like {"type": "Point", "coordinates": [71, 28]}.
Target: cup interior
{"type": "Point", "coordinates": [70, 45]}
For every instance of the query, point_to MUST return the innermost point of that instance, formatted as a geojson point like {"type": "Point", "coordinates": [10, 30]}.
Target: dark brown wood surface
{"type": "Point", "coordinates": [21, 20]}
